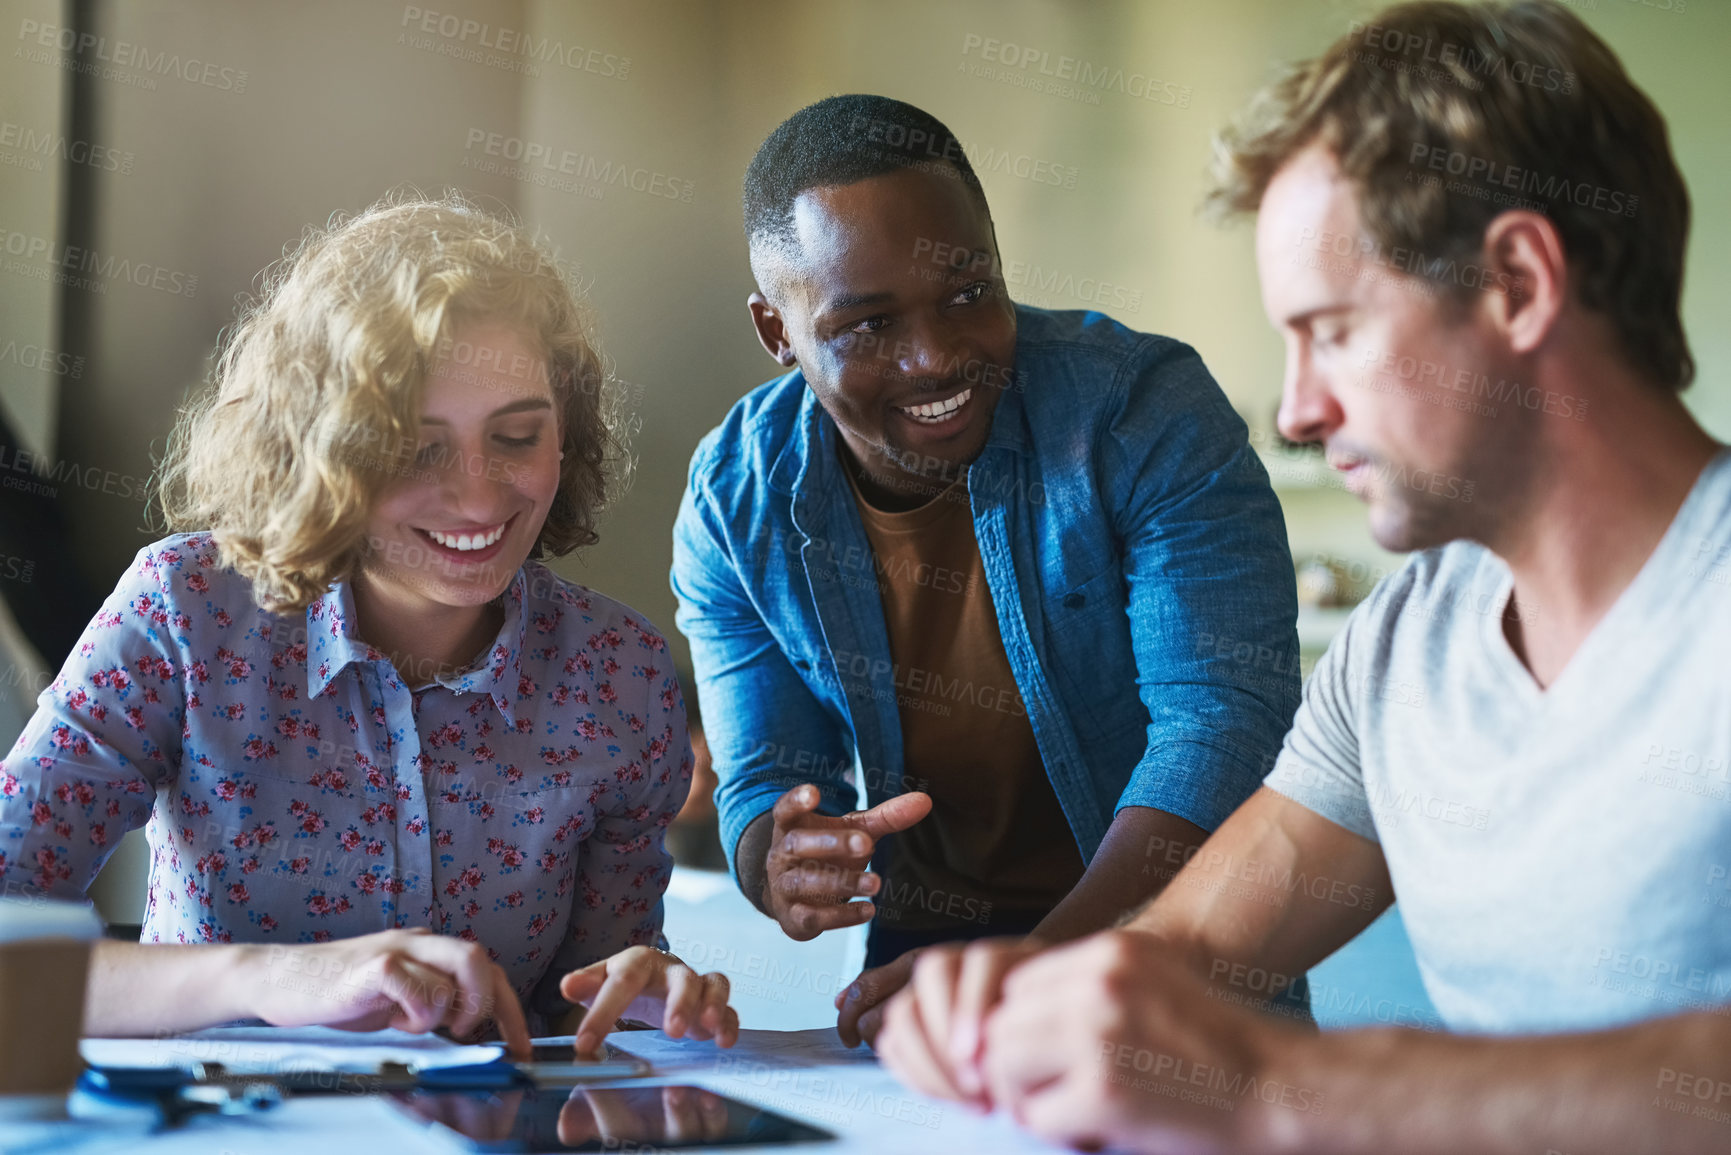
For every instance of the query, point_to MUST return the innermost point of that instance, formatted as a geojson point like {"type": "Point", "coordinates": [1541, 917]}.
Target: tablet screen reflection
{"type": "Point", "coordinates": [603, 1119]}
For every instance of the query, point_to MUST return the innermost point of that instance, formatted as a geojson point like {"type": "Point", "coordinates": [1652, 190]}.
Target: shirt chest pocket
{"type": "Point", "coordinates": [1099, 597]}
{"type": "Point", "coordinates": [1088, 637]}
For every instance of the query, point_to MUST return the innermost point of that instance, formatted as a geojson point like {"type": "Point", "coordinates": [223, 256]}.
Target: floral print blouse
{"type": "Point", "coordinates": [297, 791]}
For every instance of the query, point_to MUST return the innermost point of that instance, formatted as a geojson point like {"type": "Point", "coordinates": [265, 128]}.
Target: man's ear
{"type": "Point", "coordinates": [1529, 277]}
{"type": "Point", "coordinates": [771, 329]}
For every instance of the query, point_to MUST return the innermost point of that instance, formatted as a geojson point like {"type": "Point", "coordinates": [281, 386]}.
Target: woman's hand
{"type": "Point", "coordinates": [411, 979]}
{"type": "Point", "coordinates": [655, 986]}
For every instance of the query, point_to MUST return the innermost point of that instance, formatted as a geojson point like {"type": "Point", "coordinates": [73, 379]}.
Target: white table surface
{"type": "Point", "coordinates": [806, 1075]}
{"type": "Point", "coordinates": [796, 1066]}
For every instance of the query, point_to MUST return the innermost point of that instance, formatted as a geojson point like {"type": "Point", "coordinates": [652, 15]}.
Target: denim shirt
{"type": "Point", "coordinates": [1137, 561]}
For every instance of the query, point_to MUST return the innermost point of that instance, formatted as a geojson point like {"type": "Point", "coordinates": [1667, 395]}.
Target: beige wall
{"type": "Point", "coordinates": [336, 111]}
{"type": "Point", "coordinates": [709, 81]}
{"type": "Point", "coordinates": [341, 104]}
{"type": "Point", "coordinates": [32, 108]}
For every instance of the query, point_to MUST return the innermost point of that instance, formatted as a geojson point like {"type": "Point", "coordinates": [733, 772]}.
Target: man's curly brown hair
{"type": "Point", "coordinates": [1444, 115]}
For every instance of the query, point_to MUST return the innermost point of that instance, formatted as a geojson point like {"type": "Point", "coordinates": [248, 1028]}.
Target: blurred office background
{"type": "Point", "coordinates": [187, 142]}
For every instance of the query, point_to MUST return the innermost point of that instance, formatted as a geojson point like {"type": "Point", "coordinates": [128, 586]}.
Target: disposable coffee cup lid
{"type": "Point", "coordinates": [24, 919]}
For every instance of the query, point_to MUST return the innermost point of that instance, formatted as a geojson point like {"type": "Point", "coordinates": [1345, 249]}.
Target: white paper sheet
{"type": "Point", "coordinates": [262, 1050]}
{"type": "Point", "coordinates": [818, 1046]}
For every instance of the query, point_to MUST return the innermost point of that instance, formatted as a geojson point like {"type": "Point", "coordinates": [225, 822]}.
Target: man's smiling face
{"type": "Point", "coordinates": [895, 309]}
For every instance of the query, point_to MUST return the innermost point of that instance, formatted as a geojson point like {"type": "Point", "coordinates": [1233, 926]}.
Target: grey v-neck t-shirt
{"type": "Point", "coordinates": [1562, 857]}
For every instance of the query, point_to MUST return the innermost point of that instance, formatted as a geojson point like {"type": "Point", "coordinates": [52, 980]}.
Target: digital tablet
{"type": "Point", "coordinates": [636, 1117]}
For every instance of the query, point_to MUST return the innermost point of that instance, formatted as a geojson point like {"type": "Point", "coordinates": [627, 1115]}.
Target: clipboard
{"type": "Point", "coordinates": [169, 1094]}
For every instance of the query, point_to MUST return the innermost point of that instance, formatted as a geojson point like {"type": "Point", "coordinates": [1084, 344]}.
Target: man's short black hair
{"type": "Point", "coordinates": [838, 141]}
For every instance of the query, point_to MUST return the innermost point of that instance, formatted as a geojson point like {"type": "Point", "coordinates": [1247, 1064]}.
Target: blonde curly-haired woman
{"type": "Point", "coordinates": [396, 772]}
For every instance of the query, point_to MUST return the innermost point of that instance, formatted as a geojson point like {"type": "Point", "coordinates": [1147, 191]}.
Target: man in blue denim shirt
{"type": "Point", "coordinates": [1127, 572]}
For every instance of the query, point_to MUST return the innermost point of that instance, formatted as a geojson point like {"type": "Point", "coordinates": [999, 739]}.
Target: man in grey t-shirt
{"type": "Point", "coordinates": [1524, 733]}
{"type": "Point", "coordinates": [1560, 851]}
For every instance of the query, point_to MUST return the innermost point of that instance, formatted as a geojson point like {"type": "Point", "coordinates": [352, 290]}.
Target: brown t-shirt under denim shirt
{"type": "Point", "coordinates": [996, 846]}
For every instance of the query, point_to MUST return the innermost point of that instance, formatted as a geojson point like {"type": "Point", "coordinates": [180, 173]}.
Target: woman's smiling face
{"type": "Point", "coordinates": [455, 530]}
